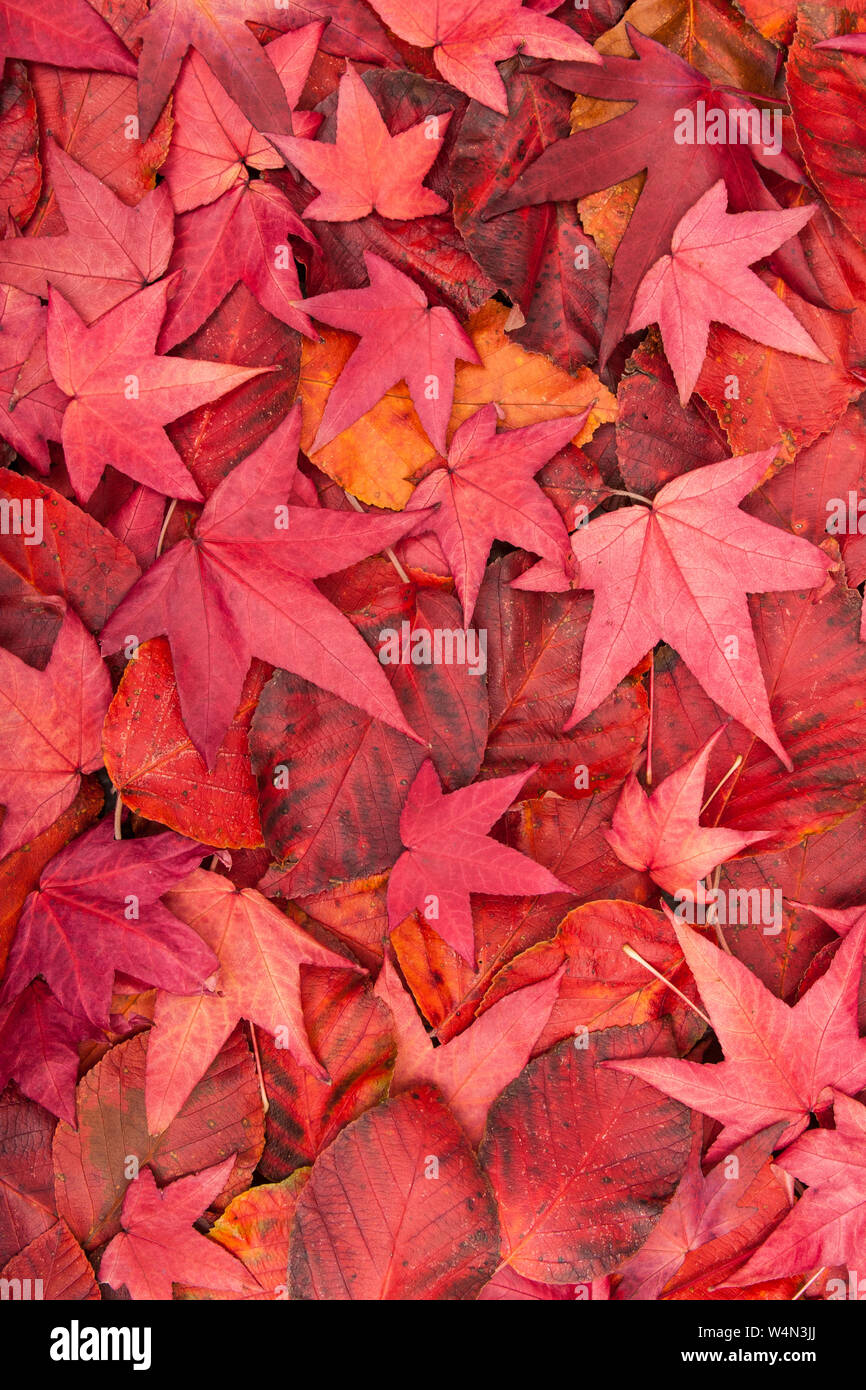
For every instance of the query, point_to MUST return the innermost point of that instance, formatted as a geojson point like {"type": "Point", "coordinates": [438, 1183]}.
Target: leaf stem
{"type": "Point", "coordinates": [633, 955]}
{"type": "Point", "coordinates": [649, 734]}
{"type": "Point", "coordinates": [388, 551]}
{"type": "Point", "coordinates": [637, 496]}
{"type": "Point", "coordinates": [713, 915]}
{"type": "Point", "coordinates": [265, 1102]}
{"type": "Point", "coordinates": [718, 787]}
{"type": "Point", "coordinates": [753, 96]}
{"type": "Point", "coordinates": [816, 1275]}
{"type": "Point", "coordinates": [168, 516]}
{"type": "Point", "coordinates": [118, 815]}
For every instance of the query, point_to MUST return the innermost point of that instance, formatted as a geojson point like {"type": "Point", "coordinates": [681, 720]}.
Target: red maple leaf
{"type": "Point", "coordinates": [707, 1208]}
{"type": "Point", "coordinates": [50, 731]}
{"type": "Point", "coordinates": [219, 32]}
{"type": "Point", "coordinates": [260, 954]}
{"type": "Point", "coordinates": [486, 491]}
{"type": "Point", "coordinates": [661, 85]}
{"type": "Point", "coordinates": [678, 571]}
{"type": "Point", "coordinates": [402, 338]}
{"type": "Point", "coordinates": [389, 1120]}
{"type": "Point", "coordinates": [780, 1060]}
{"type": "Point", "coordinates": [468, 42]}
{"type": "Point", "coordinates": [96, 911]}
{"type": "Point", "coordinates": [122, 392]}
{"type": "Point", "coordinates": [659, 832]}
{"type": "Point", "coordinates": [828, 1224]}
{"type": "Point", "coordinates": [472, 1069]}
{"type": "Point", "coordinates": [243, 236]}
{"type": "Point", "coordinates": [109, 250]}
{"type": "Point", "coordinates": [159, 1245]}
{"type": "Point", "coordinates": [366, 167]}
{"type": "Point", "coordinates": [706, 279]}
{"type": "Point", "coordinates": [449, 855]}
{"type": "Point", "coordinates": [246, 574]}
{"type": "Point", "coordinates": [241, 233]}
{"type": "Point", "coordinates": [213, 145]}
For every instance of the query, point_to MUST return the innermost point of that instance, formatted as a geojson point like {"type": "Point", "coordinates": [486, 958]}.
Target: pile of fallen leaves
{"type": "Point", "coordinates": [432, 675]}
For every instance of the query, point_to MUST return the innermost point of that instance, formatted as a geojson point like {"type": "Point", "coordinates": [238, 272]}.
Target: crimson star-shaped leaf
{"type": "Point", "coordinates": [402, 338]}
{"type": "Point", "coordinates": [661, 88]}
{"type": "Point", "coordinates": [96, 911]}
{"type": "Point", "coordinates": [678, 571]}
{"type": "Point", "coordinates": [219, 31]}
{"type": "Point", "coordinates": [486, 491]}
{"type": "Point", "coordinates": [704, 1209]}
{"type": "Point", "coordinates": [780, 1060]}
{"type": "Point", "coordinates": [659, 832]}
{"type": "Point", "coordinates": [243, 236]}
{"type": "Point", "coordinates": [159, 1245]}
{"type": "Point", "coordinates": [122, 393]}
{"type": "Point", "coordinates": [828, 1224]}
{"type": "Point", "coordinates": [469, 40]}
{"type": "Point", "coordinates": [213, 145]}
{"type": "Point", "coordinates": [109, 250]}
{"type": "Point", "coordinates": [242, 587]}
{"type": "Point", "coordinates": [471, 1070]}
{"type": "Point", "coordinates": [449, 855]}
{"type": "Point", "coordinates": [367, 168]}
{"type": "Point", "coordinates": [260, 953]}
{"type": "Point", "coordinates": [706, 279]}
